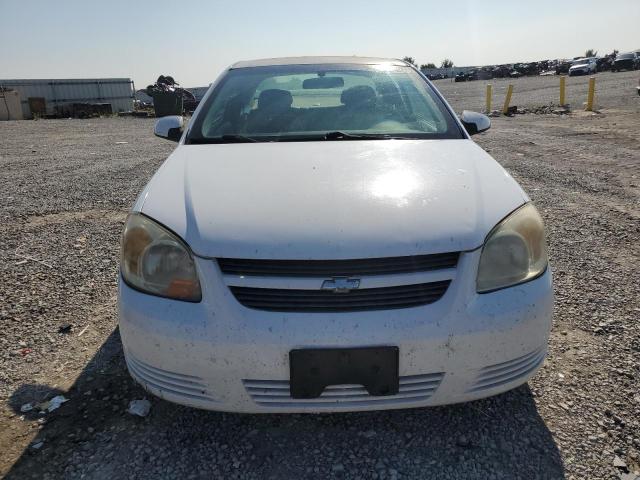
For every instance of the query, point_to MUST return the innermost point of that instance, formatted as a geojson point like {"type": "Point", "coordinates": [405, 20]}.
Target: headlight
{"type": "Point", "coordinates": [156, 261]}
{"type": "Point", "coordinates": [514, 252]}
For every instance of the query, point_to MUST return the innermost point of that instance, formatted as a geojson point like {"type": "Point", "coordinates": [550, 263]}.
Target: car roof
{"type": "Point", "coordinates": [266, 62]}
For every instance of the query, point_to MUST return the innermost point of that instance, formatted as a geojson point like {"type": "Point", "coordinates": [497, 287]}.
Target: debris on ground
{"type": "Point", "coordinates": [619, 463]}
{"type": "Point", "coordinates": [64, 328]}
{"type": "Point", "coordinates": [139, 407]}
{"type": "Point", "coordinates": [27, 407]}
{"type": "Point", "coordinates": [53, 404]}
{"type": "Point", "coordinates": [83, 330]}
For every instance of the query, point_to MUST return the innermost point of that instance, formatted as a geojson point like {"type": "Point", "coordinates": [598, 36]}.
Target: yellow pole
{"type": "Point", "coordinates": [488, 99]}
{"type": "Point", "coordinates": [592, 94]}
{"type": "Point", "coordinates": [562, 90]}
{"type": "Point", "coordinates": [507, 100]}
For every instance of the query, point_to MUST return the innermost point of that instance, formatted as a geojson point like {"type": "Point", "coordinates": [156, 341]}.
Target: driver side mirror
{"type": "Point", "coordinates": [169, 127]}
{"type": "Point", "coordinates": [475, 122]}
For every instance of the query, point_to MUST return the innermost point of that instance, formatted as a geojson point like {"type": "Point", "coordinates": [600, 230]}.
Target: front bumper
{"type": "Point", "coordinates": [624, 65]}
{"type": "Point", "coordinates": [579, 71]}
{"type": "Point", "coordinates": [220, 355]}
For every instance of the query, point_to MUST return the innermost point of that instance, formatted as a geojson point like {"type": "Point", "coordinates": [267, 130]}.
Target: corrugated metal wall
{"type": "Point", "coordinates": [60, 92]}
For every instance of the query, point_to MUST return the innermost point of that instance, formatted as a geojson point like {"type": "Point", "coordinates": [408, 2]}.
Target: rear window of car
{"type": "Point", "coordinates": [305, 102]}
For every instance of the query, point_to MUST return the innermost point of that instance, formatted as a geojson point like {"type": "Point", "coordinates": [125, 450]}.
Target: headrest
{"type": "Point", "coordinates": [358, 96]}
{"type": "Point", "coordinates": [275, 99]}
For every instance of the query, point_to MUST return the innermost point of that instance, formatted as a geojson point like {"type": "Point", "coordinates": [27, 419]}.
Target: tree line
{"type": "Point", "coordinates": [446, 63]}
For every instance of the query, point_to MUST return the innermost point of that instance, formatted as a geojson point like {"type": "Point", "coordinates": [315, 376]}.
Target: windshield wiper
{"type": "Point", "coordinates": [229, 138]}
{"type": "Point", "coordinates": [338, 135]}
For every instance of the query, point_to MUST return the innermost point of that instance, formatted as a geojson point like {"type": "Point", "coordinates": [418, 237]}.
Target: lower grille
{"type": "Point", "coordinates": [506, 372]}
{"type": "Point", "coordinates": [290, 300]}
{"type": "Point", "coordinates": [275, 393]}
{"type": "Point", "coordinates": [163, 381]}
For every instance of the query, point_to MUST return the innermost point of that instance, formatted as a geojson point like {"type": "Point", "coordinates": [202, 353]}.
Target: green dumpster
{"type": "Point", "coordinates": [167, 103]}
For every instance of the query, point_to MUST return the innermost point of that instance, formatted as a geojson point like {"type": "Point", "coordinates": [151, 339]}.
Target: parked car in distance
{"type": "Point", "coordinates": [327, 237]}
{"type": "Point", "coordinates": [460, 77]}
{"type": "Point", "coordinates": [583, 66]}
{"type": "Point", "coordinates": [562, 66]}
{"type": "Point", "coordinates": [626, 61]}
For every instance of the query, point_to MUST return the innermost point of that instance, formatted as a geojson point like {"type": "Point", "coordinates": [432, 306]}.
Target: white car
{"type": "Point", "coordinates": [327, 237]}
{"type": "Point", "coordinates": [583, 66]}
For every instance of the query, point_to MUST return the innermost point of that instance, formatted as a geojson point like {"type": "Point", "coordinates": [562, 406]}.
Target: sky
{"type": "Point", "coordinates": [195, 40]}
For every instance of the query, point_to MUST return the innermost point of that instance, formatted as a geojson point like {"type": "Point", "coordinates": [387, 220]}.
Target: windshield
{"type": "Point", "coordinates": [582, 61]}
{"type": "Point", "coordinates": [322, 102]}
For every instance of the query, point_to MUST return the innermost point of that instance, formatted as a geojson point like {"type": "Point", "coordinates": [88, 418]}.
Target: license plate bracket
{"type": "Point", "coordinates": [375, 368]}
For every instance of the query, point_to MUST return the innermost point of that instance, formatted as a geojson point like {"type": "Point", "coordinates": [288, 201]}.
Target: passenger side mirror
{"type": "Point", "coordinates": [169, 127]}
{"type": "Point", "coordinates": [475, 122]}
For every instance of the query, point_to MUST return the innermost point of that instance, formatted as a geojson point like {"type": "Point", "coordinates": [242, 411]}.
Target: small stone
{"type": "Point", "coordinates": [338, 467]}
{"type": "Point", "coordinates": [628, 476]}
{"type": "Point", "coordinates": [64, 328]}
{"type": "Point", "coordinates": [140, 408]}
{"type": "Point", "coordinates": [619, 463]}
{"type": "Point", "coordinates": [463, 441]}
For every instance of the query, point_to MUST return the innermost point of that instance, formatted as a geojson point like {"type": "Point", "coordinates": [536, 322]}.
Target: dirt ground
{"type": "Point", "coordinates": [65, 188]}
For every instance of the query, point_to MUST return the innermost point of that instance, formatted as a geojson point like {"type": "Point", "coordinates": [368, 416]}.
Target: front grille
{"type": "Point", "coordinates": [290, 300]}
{"type": "Point", "coordinates": [507, 372]}
{"type": "Point", "coordinates": [338, 268]}
{"type": "Point", "coordinates": [275, 393]}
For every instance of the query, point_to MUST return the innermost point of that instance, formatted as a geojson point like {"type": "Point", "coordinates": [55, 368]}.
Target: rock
{"type": "Point", "coordinates": [463, 441]}
{"type": "Point", "coordinates": [619, 463]}
{"type": "Point", "coordinates": [140, 408]}
{"type": "Point", "coordinates": [338, 467]}
{"type": "Point", "coordinates": [27, 407]}
{"type": "Point", "coordinates": [64, 328]}
{"type": "Point", "coordinates": [628, 476]}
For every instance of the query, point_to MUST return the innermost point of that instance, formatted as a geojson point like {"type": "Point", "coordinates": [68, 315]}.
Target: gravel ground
{"type": "Point", "coordinates": [65, 187]}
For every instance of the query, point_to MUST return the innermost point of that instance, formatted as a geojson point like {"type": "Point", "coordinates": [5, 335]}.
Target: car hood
{"type": "Point", "coordinates": [340, 199]}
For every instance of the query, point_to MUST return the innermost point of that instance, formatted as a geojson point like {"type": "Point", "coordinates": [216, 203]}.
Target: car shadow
{"type": "Point", "coordinates": [93, 436]}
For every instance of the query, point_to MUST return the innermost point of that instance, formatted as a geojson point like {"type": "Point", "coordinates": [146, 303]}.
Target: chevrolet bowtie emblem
{"type": "Point", "coordinates": [341, 285]}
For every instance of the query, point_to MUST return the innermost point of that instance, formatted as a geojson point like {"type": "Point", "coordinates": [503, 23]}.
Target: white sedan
{"type": "Point", "coordinates": [583, 66]}
{"type": "Point", "coordinates": [327, 237]}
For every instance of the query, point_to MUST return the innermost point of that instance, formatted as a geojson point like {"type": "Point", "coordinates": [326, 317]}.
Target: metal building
{"type": "Point", "coordinates": [61, 96]}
